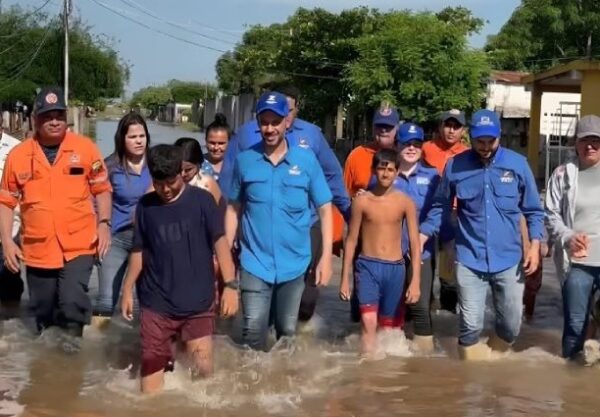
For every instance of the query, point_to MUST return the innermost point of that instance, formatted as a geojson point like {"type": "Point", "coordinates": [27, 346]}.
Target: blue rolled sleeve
{"type": "Point", "coordinates": [441, 205]}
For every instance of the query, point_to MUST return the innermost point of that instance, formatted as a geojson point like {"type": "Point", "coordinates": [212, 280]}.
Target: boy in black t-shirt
{"type": "Point", "coordinates": [176, 229]}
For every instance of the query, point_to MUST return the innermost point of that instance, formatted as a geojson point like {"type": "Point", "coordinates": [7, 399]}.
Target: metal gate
{"type": "Point", "coordinates": [560, 143]}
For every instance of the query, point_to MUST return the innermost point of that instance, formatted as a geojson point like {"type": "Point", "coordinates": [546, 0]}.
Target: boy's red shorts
{"type": "Point", "coordinates": [158, 331]}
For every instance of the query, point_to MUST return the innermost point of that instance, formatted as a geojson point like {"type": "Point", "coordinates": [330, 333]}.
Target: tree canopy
{"type": "Point", "coordinates": [361, 57]}
{"type": "Point", "coordinates": [174, 90]}
{"type": "Point", "coordinates": [542, 33]}
{"type": "Point", "coordinates": [31, 50]}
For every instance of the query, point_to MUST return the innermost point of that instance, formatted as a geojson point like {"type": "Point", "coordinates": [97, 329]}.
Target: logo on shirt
{"type": "Point", "coordinates": [423, 181]}
{"type": "Point", "coordinates": [272, 99]}
{"type": "Point", "coordinates": [75, 159]}
{"type": "Point", "coordinates": [295, 170]}
{"type": "Point", "coordinates": [304, 144]}
{"type": "Point", "coordinates": [507, 177]}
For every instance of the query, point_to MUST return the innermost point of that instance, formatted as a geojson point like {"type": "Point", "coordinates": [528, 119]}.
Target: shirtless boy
{"type": "Point", "coordinates": [377, 215]}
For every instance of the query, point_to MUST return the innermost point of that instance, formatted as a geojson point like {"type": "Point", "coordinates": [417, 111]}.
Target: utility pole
{"type": "Point", "coordinates": [66, 13]}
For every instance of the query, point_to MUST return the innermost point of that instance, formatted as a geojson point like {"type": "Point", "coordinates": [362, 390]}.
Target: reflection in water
{"type": "Point", "coordinates": [318, 374]}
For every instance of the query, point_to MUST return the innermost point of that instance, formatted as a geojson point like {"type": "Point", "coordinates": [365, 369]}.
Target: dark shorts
{"type": "Point", "coordinates": [158, 331]}
{"type": "Point", "coordinates": [380, 286]}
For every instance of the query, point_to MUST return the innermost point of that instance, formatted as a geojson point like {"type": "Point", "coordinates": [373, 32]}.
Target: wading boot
{"type": "Point", "coordinates": [474, 353]}
{"type": "Point", "coordinates": [423, 344]}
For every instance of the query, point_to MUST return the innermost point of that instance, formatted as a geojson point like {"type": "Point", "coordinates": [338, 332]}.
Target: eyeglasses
{"type": "Point", "coordinates": [414, 143]}
{"type": "Point", "coordinates": [590, 140]}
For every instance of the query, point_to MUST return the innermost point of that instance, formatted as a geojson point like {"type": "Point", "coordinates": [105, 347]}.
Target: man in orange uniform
{"type": "Point", "coordinates": [437, 153]}
{"type": "Point", "coordinates": [358, 171]}
{"type": "Point", "coordinates": [52, 177]}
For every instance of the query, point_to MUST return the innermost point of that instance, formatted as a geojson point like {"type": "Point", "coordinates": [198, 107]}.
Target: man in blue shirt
{"type": "Point", "coordinates": [493, 187]}
{"type": "Point", "coordinates": [274, 185]}
{"type": "Point", "coordinates": [308, 136]}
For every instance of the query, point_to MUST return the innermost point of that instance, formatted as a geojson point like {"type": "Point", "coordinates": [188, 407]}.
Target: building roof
{"type": "Point", "coordinates": [562, 78]}
{"type": "Point", "coordinates": [508, 77]}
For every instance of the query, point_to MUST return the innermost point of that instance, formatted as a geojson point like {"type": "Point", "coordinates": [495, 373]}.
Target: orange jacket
{"type": "Point", "coordinates": [57, 211]}
{"type": "Point", "coordinates": [357, 170]}
{"type": "Point", "coordinates": [437, 153]}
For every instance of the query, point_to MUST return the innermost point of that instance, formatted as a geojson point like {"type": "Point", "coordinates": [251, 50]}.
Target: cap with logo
{"type": "Point", "coordinates": [387, 116]}
{"type": "Point", "coordinates": [410, 132]}
{"type": "Point", "coordinates": [454, 114]}
{"type": "Point", "coordinates": [49, 99]}
{"type": "Point", "coordinates": [272, 101]}
{"type": "Point", "coordinates": [588, 126]}
{"type": "Point", "coordinates": [485, 123]}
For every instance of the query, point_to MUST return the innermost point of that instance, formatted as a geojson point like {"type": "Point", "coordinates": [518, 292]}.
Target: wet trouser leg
{"type": "Point", "coordinates": [59, 296]}
{"type": "Point", "coordinates": [421, 311]}
{"type": "Point", "coordinates": [507, 290]}
{"type": "Point", "coordinates": [112, 271]}
{"type": "Point", "coordinates": [11, 285]}
{"type": "Point", "coordinates": [311, 290]}
{"type": "Point", "coordinates": [581, 281]}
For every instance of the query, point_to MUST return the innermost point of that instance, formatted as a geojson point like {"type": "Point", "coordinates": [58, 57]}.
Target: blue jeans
{"type": "Point", "coordinates": [260, 300]}
{"type": "Point", "coordinates": [507, 291]}
{"type": "Point", "coordinates": [112, 271]}
{"type": "Point", "coordinates": [580, 283]}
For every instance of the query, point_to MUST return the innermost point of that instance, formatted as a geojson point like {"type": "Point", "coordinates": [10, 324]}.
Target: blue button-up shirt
{"type": "Point", "coordinates": [420, 186]}
{"type": "Point", "coordinates": [128, 188]}
{"type": "Point", "coordinates": [302, 134]}
{"type": "Point", "coordinates": [490, 201]}
{"type": "Point", "coordinates": [276, 216]}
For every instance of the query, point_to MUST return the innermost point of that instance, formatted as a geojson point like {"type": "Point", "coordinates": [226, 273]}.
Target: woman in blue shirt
{"type": "Point", "coordinates": [130, 179]}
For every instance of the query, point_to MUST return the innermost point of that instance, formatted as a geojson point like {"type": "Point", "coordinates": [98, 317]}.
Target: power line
{"type": "Point", "coordinates": [27, 16]}
{"type": "Point", "coordinates": [25, 67]}
{"type": "Point", "coordinates": [147, 12]}
{"type": "Point", "coordinates": [122, 14]}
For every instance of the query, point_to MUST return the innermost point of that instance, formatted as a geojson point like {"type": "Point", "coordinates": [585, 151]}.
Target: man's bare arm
{"type": "Point", "coordinates": [232, 216]}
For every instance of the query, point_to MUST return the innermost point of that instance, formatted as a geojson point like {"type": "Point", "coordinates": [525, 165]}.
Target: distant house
{"type": "Point", "coordinates": [507, 96]}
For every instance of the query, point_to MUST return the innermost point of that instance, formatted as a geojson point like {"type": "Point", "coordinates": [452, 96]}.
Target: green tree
{"type": "Point", "coordinates": [542, 33]}
{"type": "Point", "coordinates": [31, 50]}
{"type": "Point", "coordinates": [149, 97]}
{"type": "Point", "coordinates": [188, 91]}
{"type": "Point", "coordinates": [419, 63]}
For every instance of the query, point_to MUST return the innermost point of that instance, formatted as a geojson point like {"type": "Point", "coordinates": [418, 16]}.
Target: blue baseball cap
{"type": "Point", "coordinates": [273, 101]}
{"type": "Point", "coordinates": [485, 123]}
{"type": "Point", "coordinates": [410, 132]}
{"type": "Point", "coordinates": [386, 116]}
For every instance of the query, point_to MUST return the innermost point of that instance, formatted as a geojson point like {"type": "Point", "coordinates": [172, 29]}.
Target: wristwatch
{"type": "Point", "coordinates": [232, 284]}
{"type": "Point", "coordinates": [107, 221]}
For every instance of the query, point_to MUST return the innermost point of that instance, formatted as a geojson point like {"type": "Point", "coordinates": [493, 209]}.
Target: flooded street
{"type": "Point", "coordinates": [319, 374]}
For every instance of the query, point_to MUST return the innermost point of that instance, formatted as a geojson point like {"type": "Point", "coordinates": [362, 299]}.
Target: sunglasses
{"type": "Point", "coordinates": [414, 143]}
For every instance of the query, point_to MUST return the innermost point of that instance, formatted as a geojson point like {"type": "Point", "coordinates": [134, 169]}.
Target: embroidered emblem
{"type": "Point", "coordinates": [295, 170]}
{"type": "Point", "coordinates": [507, 177]}
{"type": "Point", "coordinates": [96, 166]}
{"type": "Point", "coordinates": [51, 98]}
{"type": "Point", "coordinates": [303, 144]}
